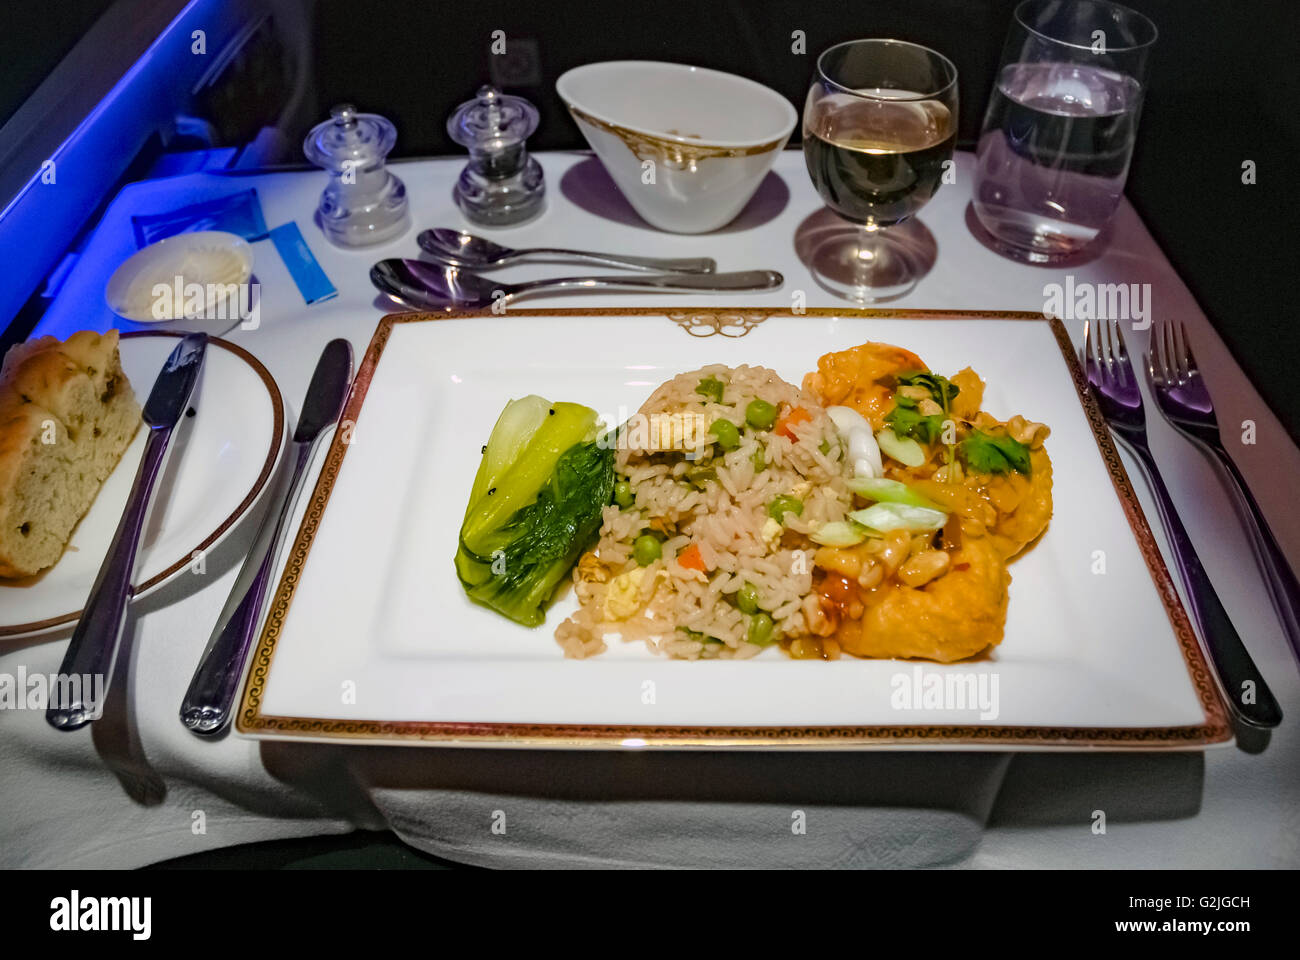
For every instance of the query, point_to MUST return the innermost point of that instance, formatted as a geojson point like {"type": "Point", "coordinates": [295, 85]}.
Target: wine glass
{"type": "Point", "coordinates": [878, 131]}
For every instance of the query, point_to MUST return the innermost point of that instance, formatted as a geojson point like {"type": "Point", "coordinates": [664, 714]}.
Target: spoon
{"type": "Point", "coordinates": [459, 249]}
{"type": "Point", "coordinates": [429, 286]}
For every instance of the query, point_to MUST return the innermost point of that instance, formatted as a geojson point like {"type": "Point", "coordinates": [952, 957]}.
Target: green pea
{"type": "Point", "coordinates": [758, 460]}
{"type": "Point", "coordinates": [701, 477]}
{"type": "Point", "coordinates": [760, 415]}
{"type": "Point", "coordinates": [747, 598]}
{"type": "Point", "coordinates": [825, 447]}
{"type": "Point", "coordinates": [782, 505]}
{"type": "Point", "coordinates": [646, 549]}
{"type": "Point", "coordinates": [726, 432]}
{"type": "Point", "coordinates": [710, 387]}
{"type": "Point", "coordinates": [697, 636]}
{"type": "Point", "coordinates": [760, 629]}
{"type": "Point", "coordinates": [623, 494]}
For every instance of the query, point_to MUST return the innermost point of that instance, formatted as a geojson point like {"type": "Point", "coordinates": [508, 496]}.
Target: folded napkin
{"type": "Point", "coordinates": [697, 810]}
{"type": "Point", "coordinates": [136, 787]}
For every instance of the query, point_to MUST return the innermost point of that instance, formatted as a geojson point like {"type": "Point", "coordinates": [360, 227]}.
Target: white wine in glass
{"type": "Point", "coordinates": [879, 126]}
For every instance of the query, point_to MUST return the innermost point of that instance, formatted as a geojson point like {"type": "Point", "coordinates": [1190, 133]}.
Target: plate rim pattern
{"type": "Point", "coordinates": [251, 720]}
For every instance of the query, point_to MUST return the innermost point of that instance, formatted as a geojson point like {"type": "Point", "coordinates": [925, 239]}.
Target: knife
{"type": "Point", "coordinates": [92, 652]}
{"type": "Point", "coordinates": [206, 709]}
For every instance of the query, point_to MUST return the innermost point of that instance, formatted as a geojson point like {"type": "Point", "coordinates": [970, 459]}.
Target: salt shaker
{"type": "Point", "coordinates": [501, 184]}
{"type": "Point", "coordinates": [364, 203]}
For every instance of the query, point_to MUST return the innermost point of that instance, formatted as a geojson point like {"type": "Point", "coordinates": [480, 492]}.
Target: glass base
{"type": "Point", "coordinates": [1033, 238]}
{"type": "Point", "coordinates": [864, 266]}
{"type": "Point", "coordinates": [1037, 248]}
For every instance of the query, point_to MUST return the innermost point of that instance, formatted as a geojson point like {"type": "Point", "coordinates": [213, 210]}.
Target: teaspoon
{"type": "Point", "coordinates": [430, 286]}
{"type": "Point", "coordinates": [459, 249]}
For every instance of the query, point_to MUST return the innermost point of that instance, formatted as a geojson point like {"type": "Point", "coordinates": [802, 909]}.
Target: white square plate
{"type": "Point", "coordinates": [371, 638]}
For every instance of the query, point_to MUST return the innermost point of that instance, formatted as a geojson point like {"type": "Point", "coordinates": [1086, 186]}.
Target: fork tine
{"type": "Point", "coordinates": [1172, 353]}
{"type": "Point", "coordinates": [1156, 360]}
{"type": "Point", "coordinates": [1178, 365]}
{"type": "Point", "coordinates": [1089, 347]}
{"type": "Point", "coordinates": [1156, 351]}
{"type": "Point", "coordinates": [1188, 357]}
{"type": "Point", "coordinates": [1169, 351]}
{"type": "Point", "coordinates": [1192, 368]}
{"type": "Point", "coordinates": [1122, 362]}
{"type": "Point", "coordinates": [1108, 349]}
{"type": "Point", "coordinates": [1122, 351]}
{"type": "Point", "coordinates": [1186, 363]}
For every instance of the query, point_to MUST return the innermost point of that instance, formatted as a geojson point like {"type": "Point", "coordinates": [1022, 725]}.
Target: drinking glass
{"type": "Point", "coordinates": [878, 131]}
{"type": "Point", "coordinates": [1054, 150]}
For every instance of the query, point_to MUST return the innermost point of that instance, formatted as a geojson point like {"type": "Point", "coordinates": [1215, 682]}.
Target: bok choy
{"type": "Point", "coordinates": [534, 507]}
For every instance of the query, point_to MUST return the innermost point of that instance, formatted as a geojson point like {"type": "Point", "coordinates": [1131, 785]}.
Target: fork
{"type": "Point", "coordinates": [1183, 398]}
{"type": "Point", "coordinates": [1116, 390]}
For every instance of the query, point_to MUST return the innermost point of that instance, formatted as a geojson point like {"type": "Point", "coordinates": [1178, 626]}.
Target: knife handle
{"type": "Point", "coordinates": [93, 649]}
{"type": "Point", "coordinates": [206, 708]}
{"type": "Point", "coordinates": [1283, 588]}
{"type": "Point", "coordinates": [1237, 671]}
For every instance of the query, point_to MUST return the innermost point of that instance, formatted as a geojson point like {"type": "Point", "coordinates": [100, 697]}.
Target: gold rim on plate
{"type": "Point", "coordinates": [711, 321]}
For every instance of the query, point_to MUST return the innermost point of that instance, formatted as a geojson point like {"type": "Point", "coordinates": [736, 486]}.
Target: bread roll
{"type": "Point", "coordinates": [67, 412]}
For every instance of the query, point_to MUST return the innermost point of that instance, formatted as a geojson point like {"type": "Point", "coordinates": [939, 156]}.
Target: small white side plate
{"type": "Point", "coordinates": [223, 460]}
{"type": "Point", "coordinates": [186, 258]}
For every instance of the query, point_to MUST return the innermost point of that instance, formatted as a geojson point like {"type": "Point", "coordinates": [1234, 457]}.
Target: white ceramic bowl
{"type": "Point", "coordinates": [686, 145]}
{"type": "Point", "coordinates": [155, 285]}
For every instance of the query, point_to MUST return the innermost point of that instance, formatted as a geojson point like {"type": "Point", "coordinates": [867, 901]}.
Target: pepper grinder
{"type": "Point", "coordinates": [364, 203]}
{"type": "Point", "coordinates": [501, 184]}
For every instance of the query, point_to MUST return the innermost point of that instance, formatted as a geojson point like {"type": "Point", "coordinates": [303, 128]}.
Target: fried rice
{"type": "Point", "coordinates": [709, 505]}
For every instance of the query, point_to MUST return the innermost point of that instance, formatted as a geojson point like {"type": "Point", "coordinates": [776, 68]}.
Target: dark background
{"type": "Point", "coordinates": [1223, 89]}
{"type": "Point", "coordinates": [32, 42]}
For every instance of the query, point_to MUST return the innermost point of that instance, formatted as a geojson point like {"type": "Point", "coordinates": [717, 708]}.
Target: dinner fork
{"type": "Point", "coordinates": [1116, 390]}
{"type": "Point", "coordinates": [1183, 398]}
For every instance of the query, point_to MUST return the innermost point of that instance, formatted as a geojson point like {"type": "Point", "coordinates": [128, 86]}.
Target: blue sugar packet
{"type": "Point", "coordinates": [238, 213]}
{"type": "Point", "coordinates": [297, 256]}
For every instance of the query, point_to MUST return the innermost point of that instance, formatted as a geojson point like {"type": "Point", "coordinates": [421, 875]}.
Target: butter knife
{"type": "Point", "coordinates": [206, 709]}
{"type": "Point", "coordinates": [93, 649]}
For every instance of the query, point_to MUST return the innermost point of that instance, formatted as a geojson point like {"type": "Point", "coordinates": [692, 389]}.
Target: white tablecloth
{"type": "Point", "coordinates": [137, 787]}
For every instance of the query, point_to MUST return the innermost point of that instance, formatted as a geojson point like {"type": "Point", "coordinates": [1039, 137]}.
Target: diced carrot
{"type": "Point", "coordinates": [793, 416]}
{"type": "Point", "coordinates": [692, 559]}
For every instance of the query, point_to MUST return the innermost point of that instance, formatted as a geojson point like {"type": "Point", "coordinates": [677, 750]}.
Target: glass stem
{"type": "Point", "coordinates": [869, 253]}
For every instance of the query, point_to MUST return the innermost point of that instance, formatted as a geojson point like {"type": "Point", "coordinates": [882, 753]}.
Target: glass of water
{"type": "Point", "coordinates": [1054, 151]}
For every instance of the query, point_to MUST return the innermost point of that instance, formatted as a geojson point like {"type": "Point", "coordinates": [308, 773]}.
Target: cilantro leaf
{"type": "Point", "coordinates": [941, 388]}
{"type": "Point", "coordinates": [985, 453]}
{"type": "Point", "coordinates": [907, 422]}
